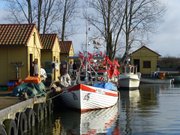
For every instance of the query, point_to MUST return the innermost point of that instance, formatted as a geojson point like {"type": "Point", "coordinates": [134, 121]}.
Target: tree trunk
{"type": "Point", "coordinates": [39, 14]}
{"type": "Point", "coordinates": [29, 11]}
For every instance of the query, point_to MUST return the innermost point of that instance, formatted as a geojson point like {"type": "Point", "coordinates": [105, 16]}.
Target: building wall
{"type": "Point", "coordinates": [71, 53]}
{"type": "Point", "coordinates": [56, 59]}
{"type": "Point", "coordinates": [34, 48]}
{"type": "Point", "coordinates": [46, 56]}
{"type": "Point", "coordinates": [145, 54]}
{"type": "Point", "coordinates": [50, 56]}
{"type": "Point", "coordinates": [10, 56]}
{"type": "Point", "coordinates": [65, 56]}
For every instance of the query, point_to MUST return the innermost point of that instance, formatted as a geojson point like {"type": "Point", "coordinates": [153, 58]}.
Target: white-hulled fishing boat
{"type": "Point", "coordinates": [85, 97]}
{"type": "Point", "coordinates": [91, 91]}
{"type": "Point", "coordinates": [129, 78]}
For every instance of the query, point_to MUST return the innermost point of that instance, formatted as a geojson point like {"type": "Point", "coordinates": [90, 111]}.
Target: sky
{"type": "Point", "coordinates": [166, 41]}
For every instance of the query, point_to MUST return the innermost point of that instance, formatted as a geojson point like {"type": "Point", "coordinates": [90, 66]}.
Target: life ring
{"type": "Point", "coordinates": [22, 123]}
{"type": "Point", "coordinates": [30, 118]}
{"type": "Point", "coordinates": [10, 127]}
{"type": "Point", "coordinates": [49, 106]}
{"type": "Point", "coordinates": [39, 112]}
{"type": "Point", "coordinates": [2, 130]}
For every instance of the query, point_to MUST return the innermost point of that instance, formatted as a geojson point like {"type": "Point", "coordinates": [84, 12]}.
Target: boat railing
{"type": "Point", "coordinates": [90, 76]}
{"type": "Point", "coordinates": [130, 69]}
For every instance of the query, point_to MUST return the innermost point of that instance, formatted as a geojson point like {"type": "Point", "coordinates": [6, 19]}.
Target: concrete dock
{"type": "Point", "coordinates": [15, 113]}
{"type": "Point", "coordinates": [7, 100]}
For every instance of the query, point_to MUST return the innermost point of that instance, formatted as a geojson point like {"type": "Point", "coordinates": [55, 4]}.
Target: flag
{"type": "Point", "coordinates": [116, 72]}
{"type": "Point", "coordinates": [100, 53]}
{"type": "Point", "coordinates": [115, 62]}
{"type": "Point", "coordinates": [81, 55]}
{"type": "Point", "coordinates": [90, 56]}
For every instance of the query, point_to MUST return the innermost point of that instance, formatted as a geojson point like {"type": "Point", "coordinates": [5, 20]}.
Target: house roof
{"type": "Point", "coordinates": [48, 40]}
{"type": "Point", "coordinates": [146, 48]}
{"type": "Point", "coordinates": [15, 34]}
{"type": "Point", "coordinates": [65, 46]}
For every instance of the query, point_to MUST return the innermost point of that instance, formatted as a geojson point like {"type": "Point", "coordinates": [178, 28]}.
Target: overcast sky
{"type": "Point", "coordinates": [167, 39]}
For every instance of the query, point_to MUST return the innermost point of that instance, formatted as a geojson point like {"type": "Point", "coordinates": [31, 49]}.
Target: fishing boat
{"type": "Point", "coordinates": [129, 78]}
{"type": "Point", "coordinates": [176, 78]}
{"type": "Point", "coordinates": [157, 77]}
{"type": "Point", "coordinates": [92, 88]}
{"type": "Point", "coordinates": [85, 97]}
{"type": "Point", "coordinates": [101, 121]}
{"type": "Point", "coordinates": [157, 80]}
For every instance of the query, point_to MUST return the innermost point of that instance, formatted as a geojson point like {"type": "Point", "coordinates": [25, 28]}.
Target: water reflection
{"type": "Point", "coordinates": [149, 110]}
{"type": "Point", "coordinates": [129, 101]}
{"type": "Point", "coordinates": [45, 127]}
{"type": "Point", "coordinates": [150, 95]}
{"type": "Point", "coordinates": [93, 122]}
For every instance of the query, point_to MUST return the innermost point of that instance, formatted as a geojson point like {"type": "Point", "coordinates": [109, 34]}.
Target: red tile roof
{"type": "Point", "coordinates": [15, 34]}
{"type": "Point", "coordinates": [65, 46]}
{"type": "Point", "coordinates": [48, 40]}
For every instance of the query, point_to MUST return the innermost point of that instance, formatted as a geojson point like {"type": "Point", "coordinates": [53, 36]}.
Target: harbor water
{"type": "Point", "coordinates": [149, 110]}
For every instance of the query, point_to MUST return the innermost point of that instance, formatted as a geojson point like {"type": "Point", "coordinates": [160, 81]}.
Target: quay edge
{"type": "Point", "coordinates": [10, 113]}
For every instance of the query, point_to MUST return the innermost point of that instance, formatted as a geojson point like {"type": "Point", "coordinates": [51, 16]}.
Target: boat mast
{"type": "Point", "coordinates": [86, 48]}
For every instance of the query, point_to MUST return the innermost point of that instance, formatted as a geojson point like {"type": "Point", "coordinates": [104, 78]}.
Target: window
{"type": "Point", "coordinates": [146, 64]}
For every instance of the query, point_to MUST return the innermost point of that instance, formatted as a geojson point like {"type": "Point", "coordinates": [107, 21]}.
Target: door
{"type": "Point", "coordinates": [54, 60]}
{"type": "Point", "coordinates": [31, 64]}
{"type": "Point", "coordinates": [137, 63]}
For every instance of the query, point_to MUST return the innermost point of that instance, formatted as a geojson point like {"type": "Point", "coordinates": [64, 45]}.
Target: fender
{"type": "Point", "coordinates": [30, 118]}
{"type": "Point", "coordinates": [10, 127]}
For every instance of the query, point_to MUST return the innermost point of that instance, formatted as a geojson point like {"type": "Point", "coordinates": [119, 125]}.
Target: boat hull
{"type": "Point", "coordinates": [129, 81]}
{"type": "Point", "coordinates": [156, 81]}
{"type": "Point", "coordinates": [176, 79]}
{"type": "Point", "coordinates": [85, 98]}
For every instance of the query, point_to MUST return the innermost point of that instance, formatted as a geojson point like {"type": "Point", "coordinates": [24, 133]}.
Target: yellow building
{"type": "Point", "coordinates": [67, 51]}
{"type": "Point", "coordinates": [19, 46]}
{"type": "Point", "coordinates": [50, 54]}
{"type": "Point", "coordinates": [146, 60]}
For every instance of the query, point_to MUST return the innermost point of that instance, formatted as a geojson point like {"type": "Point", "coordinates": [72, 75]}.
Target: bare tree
{"type": "Point", "coordinates": [140, 17]}
{"type": "Point", "coordinates": [39, 13]}
{"type": "Point", "coordinates": [109, 22]}
{"type": "Point", "coordinates": [18, 9]}
{"type": "Point", "coordinates": [123, 18]}
{"type": "Point", "coordinates": [29, 18]}
{"type": "Point", "coordinates": [69, 9]}
{"type": "Point", "coordinates": [47, 14]}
